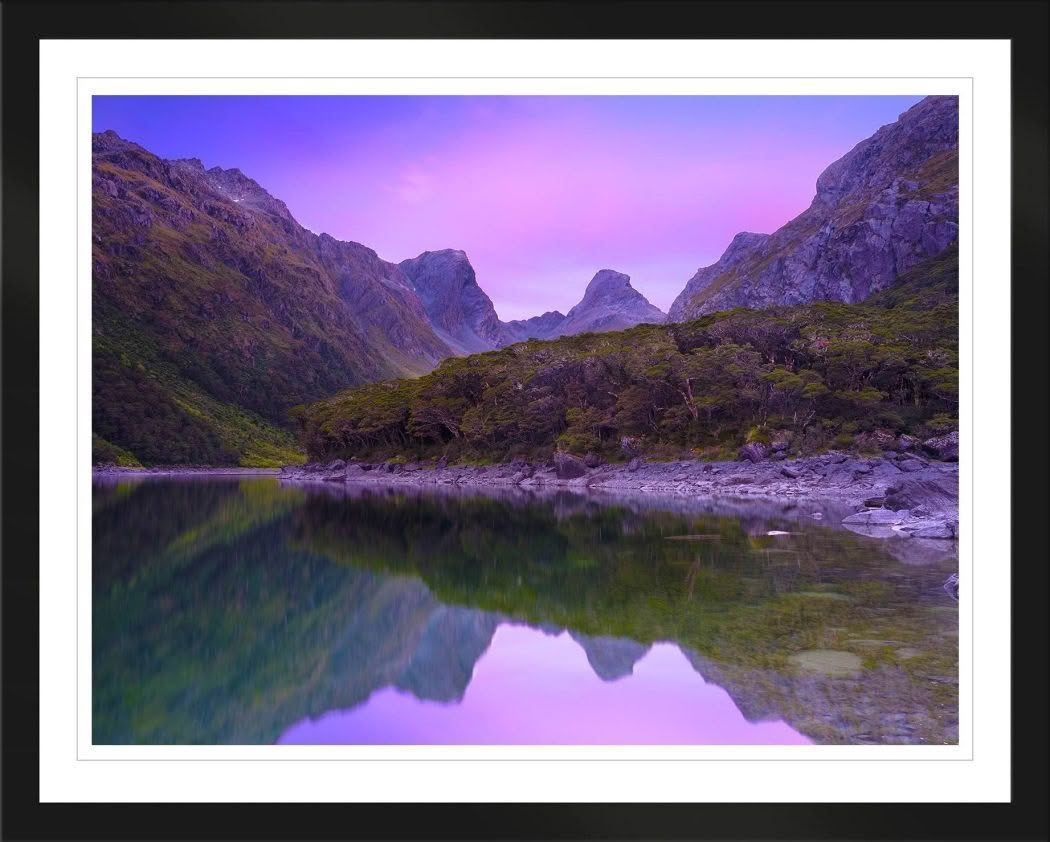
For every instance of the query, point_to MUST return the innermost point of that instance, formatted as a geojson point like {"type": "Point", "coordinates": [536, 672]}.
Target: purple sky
{"type": "Point", "coordinates": [541, 192]}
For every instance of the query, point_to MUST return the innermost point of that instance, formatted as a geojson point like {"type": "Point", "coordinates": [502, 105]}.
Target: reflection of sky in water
{"type": "Point", "coordinates": [245, 611]}
{"type": "Point", "coordinates": [532, 688]}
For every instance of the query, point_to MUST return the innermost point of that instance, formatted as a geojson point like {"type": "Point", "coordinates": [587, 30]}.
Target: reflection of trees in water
{"type": "Point", "coordinates": [226, 610]}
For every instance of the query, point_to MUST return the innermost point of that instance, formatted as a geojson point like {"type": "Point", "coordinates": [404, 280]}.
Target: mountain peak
{"type": "Point", "coordinates": [608, 281]}
{"type": "Point", "coordinates": [887, 205]}
{"type": "Point", "coordinates": [460, 311]}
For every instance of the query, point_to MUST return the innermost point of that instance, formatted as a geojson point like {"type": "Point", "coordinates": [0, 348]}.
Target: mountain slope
{"type": "Point", "coordinates": [889, 204]}
{"type": "Point", "coordinates": [214, 311]}
{"type": "Point", "coordinates": [825, 374]}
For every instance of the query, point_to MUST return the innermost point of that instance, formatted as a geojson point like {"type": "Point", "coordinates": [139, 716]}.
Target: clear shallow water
{"type": "Point", "coordinates": [249, 611]}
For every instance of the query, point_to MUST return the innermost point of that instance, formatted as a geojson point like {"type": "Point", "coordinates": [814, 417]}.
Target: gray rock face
{"type": "Point", "coordinates": [458, 309]}
{"type": "Point", "coordinates": [933, 493]}
{"type": "Point", "coordinates": [889, 204]}
{"type": "Point", "coordinates": [609, 303]}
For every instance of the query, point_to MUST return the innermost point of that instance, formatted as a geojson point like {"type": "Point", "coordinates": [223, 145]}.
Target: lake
{"type": "Point", "coordinates": [247, 610]}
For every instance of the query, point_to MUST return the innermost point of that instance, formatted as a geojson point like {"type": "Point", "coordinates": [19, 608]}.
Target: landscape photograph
{"type": "Point", "coordinates": [525, 420]}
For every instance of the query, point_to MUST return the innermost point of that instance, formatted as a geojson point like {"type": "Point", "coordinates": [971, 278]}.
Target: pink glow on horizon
{"type": "Point", "coordinates": [541, 192]}
{"type": "Point", "coordinates": [533, 689]}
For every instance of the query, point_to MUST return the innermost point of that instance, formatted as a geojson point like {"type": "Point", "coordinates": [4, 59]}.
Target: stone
{"type": "Point", "coordinates": [885, 471]}
{"type": "Point", "coordinates": [568, 466]}
{"type": "Point", "coordinates": [753, 451]}
{"type": "Point", "coordinates": [634, 464]}
{"type": "Point", "coordinates": [790, 473]}
{"type": "Point", "coordinates": [945, 448]}
{"type": "Point", "coordinates": [592, 460]}
{"type": "Point", "coordinates": [739, 480]}
{"type": "Point", "coordinates": [936, 493]}
{"type": "Point", "coordinates": [875, 502]}
{"type": "Point", "coordinates": [337, 465]}
{"type": "Point", "coordinates": [906, 442]}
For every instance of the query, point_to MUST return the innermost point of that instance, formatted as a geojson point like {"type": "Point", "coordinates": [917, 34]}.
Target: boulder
{"type": "Point", "coordinates": [568, 466]}
{"type": "Point", "coordinates": [592, 460]}
{"type": "Point", "coordinates": [910, 465]}
{"type": "Point", "coordinates": [634, 464]}
{"type": "Point", "coordinates": [781, 441]}
{"type": "Point", "coordinates": [790, 473]}
{"type": "Point", "coordinates": [886, 471]}
{"type": "Point", "coordinates": [937, 493]}
{"type": "Point", "coordinates": [753, 451]}
{"type": "Point", "coordinates": [906, 442]}
{"type": "Point", "coordinates": [337, 465]}
{"type": "Point", "coordinates": [945, 448]}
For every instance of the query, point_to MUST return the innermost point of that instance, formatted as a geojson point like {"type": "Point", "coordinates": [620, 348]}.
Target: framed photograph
{"type": "Point", "coordinates": [475, 420]}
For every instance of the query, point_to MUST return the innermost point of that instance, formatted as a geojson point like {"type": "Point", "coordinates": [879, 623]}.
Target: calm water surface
{"type": "Point", "coordinates": [232, 610]}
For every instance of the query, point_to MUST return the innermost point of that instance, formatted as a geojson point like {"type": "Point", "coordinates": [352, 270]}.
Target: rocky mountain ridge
{"type": "Point", "coordinates": [889, 204]}
{"type": "Point", "coordinates": [464, 317]}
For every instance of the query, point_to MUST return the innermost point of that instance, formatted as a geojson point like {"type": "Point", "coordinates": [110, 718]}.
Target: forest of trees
{"type": "Point", "coordinates": [824, 375]}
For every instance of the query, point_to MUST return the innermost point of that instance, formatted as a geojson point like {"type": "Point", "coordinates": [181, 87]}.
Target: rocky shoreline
{"type": "Point", "coordinates": [180, 470]}
{"type": "Point", "coordinates": [897, 494]}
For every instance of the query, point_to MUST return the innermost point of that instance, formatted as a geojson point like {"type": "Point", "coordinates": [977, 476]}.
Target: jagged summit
{"type": "Point", "coordinates": [609, 303]}
{"type": "Point", "coordinates": [456, 306]}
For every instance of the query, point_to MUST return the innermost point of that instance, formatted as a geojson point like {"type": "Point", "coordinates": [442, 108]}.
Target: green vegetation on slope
{"type": "Point", "coordinates": [825, 373]}
{"type": "Point", "coordinates": [211, 318]}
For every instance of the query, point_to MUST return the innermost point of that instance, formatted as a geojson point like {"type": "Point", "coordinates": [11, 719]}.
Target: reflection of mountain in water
{"type": "Point", "coordinates": [225, 611]}
{"type": "Point", "coordinates": [610, 657]}
{"type": "Point", "coordinates": [443, 662]}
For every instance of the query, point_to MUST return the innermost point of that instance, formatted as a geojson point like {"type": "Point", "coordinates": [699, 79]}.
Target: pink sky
{"type": "Point", "coordinates": [541, 192]}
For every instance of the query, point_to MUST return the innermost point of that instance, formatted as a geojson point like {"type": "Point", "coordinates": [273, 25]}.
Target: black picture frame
{"type": "Point", "coordinates": [25, 23]}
